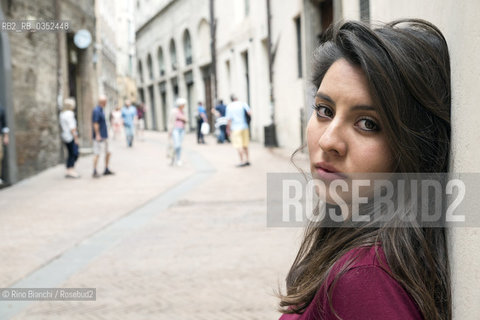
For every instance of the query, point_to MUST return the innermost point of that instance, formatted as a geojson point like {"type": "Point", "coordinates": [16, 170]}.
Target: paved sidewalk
{"type": "Point", "coordinates": [200, 252]}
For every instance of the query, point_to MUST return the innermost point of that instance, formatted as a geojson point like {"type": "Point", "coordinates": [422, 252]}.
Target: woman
{"type": "Point", "coordinates": [382, 106]}
{"type": "Point", "coordinates": [116, 122]}
{"type": "Point", "coordinates": [69, 135]}
{"type": "Point", "coordinates": [177, 131]}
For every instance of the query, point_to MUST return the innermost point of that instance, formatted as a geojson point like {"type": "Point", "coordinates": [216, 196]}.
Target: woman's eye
{"type": "Point", "coordinates": [323, 111]}
{"type": "Point", "coordinates": [368, 125]}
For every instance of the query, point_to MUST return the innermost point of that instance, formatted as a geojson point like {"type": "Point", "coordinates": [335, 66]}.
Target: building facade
{"type": "Point", "coordinates": [126, 56]}
{"type": "Point", "coordinates": [173, 58]}
{"type": "Point", "coordinates": [39, 70]}
{"type": "Point", "coordinates": [106, 51]}
{"type": "Point", "coordinates": [244, 55]}
{"type": "Point", "coordinates": [242, 58]}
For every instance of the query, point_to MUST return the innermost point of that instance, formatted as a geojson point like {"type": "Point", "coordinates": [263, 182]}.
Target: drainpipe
{"type": "Point", "coordinates": [59, 78]}
{"type": "Point", "coordinates": [270, 131]}
{"type": "Point", "coordinates": [213, 31]}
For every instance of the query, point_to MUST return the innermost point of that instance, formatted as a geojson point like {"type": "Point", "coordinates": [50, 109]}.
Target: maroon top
{"type": "Point", "coordinates": [364, 291]}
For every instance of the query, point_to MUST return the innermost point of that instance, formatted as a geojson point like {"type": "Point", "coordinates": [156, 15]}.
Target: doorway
{"type": "Point", "coordinates": [163, 100]}
{"type": "Point", "coordinates": [207, 81]}
{"type": "Point", "coordinates": [190, 98]}
{"type": "Point", "coordinates": [247, 75]}
{"type": "Point", "coordinates": [153, 109]}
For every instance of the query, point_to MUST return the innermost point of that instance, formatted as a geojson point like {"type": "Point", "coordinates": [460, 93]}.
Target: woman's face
{"type": "Point", "coordinates": [344, 133]}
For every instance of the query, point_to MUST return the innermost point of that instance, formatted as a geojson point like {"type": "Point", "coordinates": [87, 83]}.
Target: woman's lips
{"type": "Point", "coordinates": [327, 172]}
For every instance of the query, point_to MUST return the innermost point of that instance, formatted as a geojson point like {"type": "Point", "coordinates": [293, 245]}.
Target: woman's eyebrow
{"type": "Point", "coordinates": [360, 107]}
{"type": "Point", "coordinates": [324, 97]}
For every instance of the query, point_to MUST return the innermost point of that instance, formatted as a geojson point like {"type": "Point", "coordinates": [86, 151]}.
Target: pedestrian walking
{"type": "Point", "coordinates": [201, 118]}
{"type": "Point", "coordinates": [116, 122]}
{"type": "Point", "coordinates": [129, 116]}
{"type": "Point", "coordinates": [69, 136]}
{"type": "Point", "coordinates": [140, 121]}
{"type": "Point", "coordinates": [177, 130]}
{"type": "Point", "coordinates": [4, 140]}
{"type": "Point", "coordinates": [221, 122]}
{"type": "Point", "coordinates": [236, 114]}
{"type": "Point", "coordinates": [100, 137]}
{"type": "Point", "coordinates": [377, 110]}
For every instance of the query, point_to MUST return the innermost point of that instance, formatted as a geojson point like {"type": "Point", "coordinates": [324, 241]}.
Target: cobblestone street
{"type": "Point", "coordinates": [157, 242]}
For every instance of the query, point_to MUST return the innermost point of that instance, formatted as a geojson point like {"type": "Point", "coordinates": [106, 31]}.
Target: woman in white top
{"type": "Point", "coordinates": [116, 122]}
{"type": "Point", "coordinates": [69, 135]}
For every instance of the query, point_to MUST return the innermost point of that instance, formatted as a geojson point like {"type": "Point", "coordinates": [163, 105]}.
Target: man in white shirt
{"type": "Point", "coordinates": [237, 128]}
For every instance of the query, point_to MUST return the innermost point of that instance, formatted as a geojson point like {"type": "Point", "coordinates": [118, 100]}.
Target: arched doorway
{"type": "Point", "coordinates": [9, 164]}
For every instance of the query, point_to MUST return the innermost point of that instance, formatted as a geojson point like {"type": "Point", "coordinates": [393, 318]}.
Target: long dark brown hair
{"type": "Point", "coordinates": [407, 67]}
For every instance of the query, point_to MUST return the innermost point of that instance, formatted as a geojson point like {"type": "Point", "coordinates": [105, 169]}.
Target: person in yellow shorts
{"type": "Point", "coordinates": [237, 128]}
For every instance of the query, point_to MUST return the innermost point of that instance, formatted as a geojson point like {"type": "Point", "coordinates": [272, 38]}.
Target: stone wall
{"type": "Point", "coordinates": [34, 68]}
{"type": "Point", "coordinates": [35, 59]}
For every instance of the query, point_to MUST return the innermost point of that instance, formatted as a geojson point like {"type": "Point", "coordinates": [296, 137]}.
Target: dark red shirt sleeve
{"type": "Point", "coordinates": [369, 292]}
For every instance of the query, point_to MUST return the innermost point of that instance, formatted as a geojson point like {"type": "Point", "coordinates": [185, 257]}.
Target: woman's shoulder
{"type": "Point", "coordinates": [362, 286]}
{"type": "Point", "coordinates": [368, 256]}
{"type": "Point", "coordinates": [359, 264]}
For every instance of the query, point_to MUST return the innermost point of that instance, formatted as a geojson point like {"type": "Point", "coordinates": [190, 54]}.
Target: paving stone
{"type": "Point", "coordinates": [210, 255]}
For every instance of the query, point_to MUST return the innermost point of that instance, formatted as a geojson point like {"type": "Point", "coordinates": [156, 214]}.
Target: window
{"type": "Point", "coordinates": [298, 29]}
{"type": "Point", "coordinates": [229, 77]}
{"type": "Point", "coordinates": [140, 71]}
{"type": "Point", "coordinates": [365, 10]}
{"type": "Point", "coordinates": [141, 95]}
{"type": "Point", "coordinates": [131, 33]}
{"type": "Point", "coordinates": [247, 74]}
{"type": "Point", "coordinates": [149, 66]}
{"type": "Point", "coordinates": [187, 47]}
{"type": "Point", "coordinates": [130, 64]}
{"type": "Point", "coordinates": [174, 83]}
{"type": "Point", "coordinates": [173, 55]}
{"type": "Point", "coordinates": [161, 63]}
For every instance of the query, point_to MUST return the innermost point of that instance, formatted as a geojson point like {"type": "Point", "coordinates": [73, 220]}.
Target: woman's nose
{"type": "Point", "coordinates": [333, 140]}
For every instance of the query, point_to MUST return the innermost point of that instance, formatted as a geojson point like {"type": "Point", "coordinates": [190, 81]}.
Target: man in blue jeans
{"type": "Point", "coordinates": [201, 118]}
{"type": "Point", "coordinates": [221, 121]}
{"type": "Point", "coordinates": [129, 115]}
{"type": "Point", "coordinates": [100, 136]}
